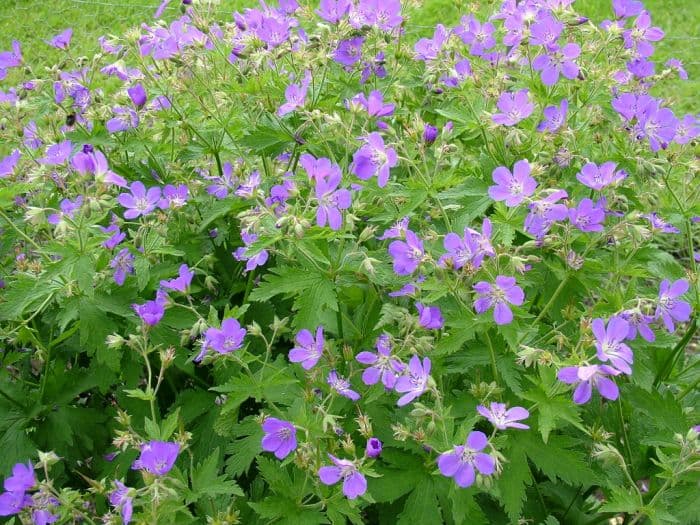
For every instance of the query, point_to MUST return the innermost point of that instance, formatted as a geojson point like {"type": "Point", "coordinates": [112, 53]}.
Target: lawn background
{"type": "Point", "coordinates": [33, 21]}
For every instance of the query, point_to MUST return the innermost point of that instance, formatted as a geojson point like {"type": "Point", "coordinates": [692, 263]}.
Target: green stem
{"type": "Point", "coordinates": [625, 438]}
{"type": "Point", "coordinates": [23, 235]}
{"type": "Point", "coordinates": [493, 356]}
{"type": "Point", "coordinates": [675, 354]}
{"type": "Point", "coordinates": [549, 304]}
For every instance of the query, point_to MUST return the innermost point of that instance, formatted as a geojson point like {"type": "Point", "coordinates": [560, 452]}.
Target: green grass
{"type": "Point", "coordinates": [33, 21]}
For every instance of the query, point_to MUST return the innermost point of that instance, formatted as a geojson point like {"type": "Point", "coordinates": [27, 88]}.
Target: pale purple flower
{"type": "Point", "coordinates": [638, 322]}
{"type": "Point", "coordinates": [22, 478]}
{"type": "Point", "coordinates": [349, 52]}
{"type": "Point", "coordinates": [383, 14]}
{"type": "Point", "coordinates": [43, 517]}
{"type": "Point", "coordinates": [513, 108]}
{"type": "Point", "coordinates": [140, 202]}
{"type": "Point", "coordinates": [61, 40]}
{"type": "Point", "coordinates": [640, 68]}
{"type": "Point", "coordinates": [630, 106]}
{"type": "Point", "coordinates": [331, 200]}
{"type": "Point", "coordinates": [502, 417]}
{"type": "Point", "coordinates": [587, 216]}
{"type": "Point", "coordinates": [676, 64]}
{"type": "Point", "coordinates": [430, 317]}
{"type": "Point", "coordinates": [94, 162]}
{"type": "Point", "coordinates": [252, 260]}
{"type": "Point", "coordinates": [151, 312]}
{"type": "Point", "coordinates": [10, 59]}
{"type": "Point", "coordinates": [182, 282]}
{"type": "Point", "coordinates": [428, 49]}
{"type": "Point", "coordinates": [122, 264]}
{"type": "Point", "coordinates": [557, 61]}
{"type": "Point", "coordinates": [309, 349]}
{"type": "Point", "coordinates": [513, 188]}
{"type": "Point", "coordinates": [660, 225]}
{"type": "Point", "coordinates": [554, 117]}
{"type": "Point", "coordinates": [668, 307]}
{"type": "Point", "coordinates": [588, 377]}
{"type": "Point", "coordinates": [657, 124]}
{"type": "Point", "coordinates": [295, 95]}
{"type": "Point", "coordinates": [222, 184]}
{"type": "Point", "coordinates": [639, 37]}
{"type": "Point", "coordinates": [13, 502]}
{"type": "Point", "coordinates": [224, 340]}
{"type": "Point", "coordinates": [157, 457]}
{"type": "Point", "coordinates": [374, 158]}
{"type": "Point", "coordinates": [688, 128]}
{"type": "Point", "coordinates": [119, 498]}
{"type": "Point", "coordinates": [545, 212]}
{"type": "Point", "coordinates": [249, 186]}
{"type": "Point", "coordinates": [31, 136]}
{"type": "Point", "coordinates": [627, 8]}
{"type": "Point", "coordinates": [462, 250]}
{"type": "Point", "coordinates": [373, 448]}
{"type": "Point", "coordinates": [174, 196]}
{"type": "Point", "coordinates": [280, 437]}
{"type": "Point", "coordinates": [342, 386]}
{"type": "Point", "coordinates": [479, 37]}
{"type": "Point", "coordinates": [138, 95]}
{"type": "Point", "coordinates": [610, 344]}
{"type": "Point", "coordinates": [383, 366]}
{"type": "Point", "coordinates": [397, 231]}
{"type": "Point", "coordinates": [333, 11]}
{"type": "Point", "coordinates": [374, 67]}
{"type": "Point", "coordinates": [599, 177]}
{"type": "Point", "coordinates": [123, 120]}
{"type": "Point", "coordinates": [463, 461]}
{"type": "Point", "coordinates": [497, 296]}
{"type": "Point", "coordinates": [546, 30]}
{"type": "Point", "coordinates": [57, 154]}
{"type": "Point", "coordinates": [374, 104]}
{"type": "Point", "coordinates": [414, 382]}
{"type": "Point", "coordinates": [68, 209]}
{"type": "Point", "coordinates": [161, 9]}
{"type": "Point", "coordinates": [407, 255]}
{"type": "Point", "coordinates": [354, 483]}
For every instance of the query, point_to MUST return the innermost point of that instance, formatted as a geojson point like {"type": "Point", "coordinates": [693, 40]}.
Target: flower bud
{"type": "Point", "coordinates": [374, 447]}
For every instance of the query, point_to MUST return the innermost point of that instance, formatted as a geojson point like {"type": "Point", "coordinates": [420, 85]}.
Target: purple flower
{"type": "Point", "coordinates": [308, 350]}
{"type": "Point", "coordinates": [462, 462]}
{"type": "Point", "coordinates": [174, 196]}
{"type": "Point", "coordinates": [8, 164]}
{"type": "Point", "coordinates": [140, 202]}
{"type": "Point", "coordinates": [373, 105]}
{"type": "Point", "coordinates": [545, 31]}
{"type": "Point", "coordinates": [342, 386]}
{"type": "Point", "coordinates": [627, 8]}
{"type": "Point", "coordinates": [151, 312]}
{"type": "Point", "coordinates": [138, 95]}
{"type": "Point", "coordinates": [407, 255]}
{"type": "Point", "coordinates": [414, 382]}
{"type": "Point", "coordinates": [430, 133]}
{"type": "Point", "coordinates": [461, 250]}
{"type": "Point", "coordinates": [557, 61]}
{"type": "Point", "coordinates": [117, 236]}
{"type": "Point", "coordinates": [68, 209]}
{"type": "Point", "coordinates": [10, 59]}
{"type": "Point", "coordinates": [374, 158]}
{"type": "Point", "coordinates": [91, 161]}
{"type": "Point", "coordinates": [676, 64]}
{"type": "Point", "coordinates": [373, 67]}
{"type": "Point", "coordinates": [544, 212]}
{"type": "Point", "coordinates": [554, 117]}
{"type": "Point", "coordinates": [397, 231]}
{"type": "Point", "coordinates": [349, 52]}
{"type": "Point", "coordinates": [599, 177]}
{"type": "Point", "coordinates": [497, 296]}
{"type": "Point", "coordinates": [638, 322]}
{"type": "Point", "coordinates": [182, 282]}
{"type": "Point", "coordinates": [587, 377]}
{"type": "Point", "coordinates": [225, 340]}
{"type": "Point", "coordinates": [43, 517]}
{"type": "Point", "coordinates": [656, 124]}
{"type": "Point", "coordinates": [57, 154]}
{"type": "Point", "coordinates": [331, 200]}
{"type": "Point", "coordinates": [502, 418]}
{"type": "Point", "coordinates": [157, 457]}
{"type": "Point", "coordinates": [13, 502]}
{"type": "Point", "coordinates": [249, 186]}
{"type": "Point", "coordinates": [223, 184]}
{"type": "Point", "coordinates": [333, 11]}
{"type": "Point", "coordinates": [62, 40]}
{"type": "Point", "coordinates": [639, 37]}
{"type": "Point", "coordinates": [669, 307]}
{"type": "Point", "coordinates": [253, 260]}
{"type": "Point", "coordinates": [382, 365]}
{"type": "Point", "coordinates": [354, 483]}
{"type": "Point", "coordinates": [123, 264]}
{"type": "Point", "coordinates": [587, 216]}
{"type": "Point", "coordinates": [384, 14]}
{"type": "Point", "coordinates": [609, 343]}
{"type": "Point", "coordinates": [513, 188]}
{"type": "Point", "coordinates": [476, 35]}
{"type": "Point", "coordinates": [428, 49]}
{"type": "Point", "coordinates": [119, 498]}
{"type": "Point", "coordinates": [373, 448]}
{"type": "Point", "coordinates": [513, 108]}
{"type": "Point", "coordinates": [660, 225]}
{"type": "Point", "coordinates": [295, 95]}
{"type": "Point", "coordinates": [280, 437]}
{"type": "Point", "coordinates": [31, 136]}
{"type": "Point", "coordinates": [430, 317]}
{"type": "Point", "coordinates": [688, 128]}
{"type": "Point", "coordinates": [22, 478]}
{"type": "Point", "coordinates": [124, 119]}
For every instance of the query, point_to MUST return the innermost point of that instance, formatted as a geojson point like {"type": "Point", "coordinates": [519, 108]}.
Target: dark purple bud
{"type": "Point", "coordinates": [87, 148]}
{"type": "Point", "coordinates": [137, 94]}
{"type": "Point", "coordinates": [339, 431]}
{"type": "Point", "coordinates": [213, 233]}
{"type": "Point", "coordinates": [374, 448]}
{"type": "Point", "coordinates": [430, 133]}
{"type": "Point", "coordinates": [186, 2]}
{"type": "Point", "coordinates": [2, 284]}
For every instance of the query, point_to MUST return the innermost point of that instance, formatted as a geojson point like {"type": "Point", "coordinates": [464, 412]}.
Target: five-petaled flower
{"type": "Point", "coordinates": [609, 343]}
{"type": "Point", "coordinates": [513, 188]}
{"type": "Point", "coordinates": [497, 296]}
{"type": "Point", "coordinates": [140, 202]}
{"type": "Point", "coordinates": [408, 254]}
{"type": "Point", "coordinates": [382, 366]}
{"type": "Point", "coordinates": [308, 350]}
{"type": "Point", "coordinates": [157, 457]}
{"type": "Point", "coordinates": [463, 461]}
{"type": "Point", "coordinates": [513, 108]}
{"type": "Point", "coordinates": [502, 417]}
{"type": "Point", "coordinates": [587, 377]}
{"type": "Point", "coordinates": [280, 437]}
{"type": "Point", "coordinates": [374, 158]}
{"type": "Point", "coordinates": [668, 307]}
{"type": "Point", "coordinates": [223, 340]}
{"type": "Point", "coordinates": [354, 483]}
{"type": "Point", "coordinates": [414, 382]}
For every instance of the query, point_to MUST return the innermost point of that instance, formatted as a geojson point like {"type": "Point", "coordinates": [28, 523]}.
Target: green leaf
{"type": "Point", "coordinates": [513, 481]}
{"type": "Point", "coordinates": [207, 482]}
{"type": "Point", "coordinates": [559, 458]}
{"type": "Point", "coordinates": [243, 450]}
{"type": "Point", "coordinates": [421, 505]}
{"type": "Point", "coordinates": [465, 510]}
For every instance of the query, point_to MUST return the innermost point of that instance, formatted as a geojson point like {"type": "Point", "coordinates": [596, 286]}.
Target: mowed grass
{"type": "Point", "coordinates": [33, 21]}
